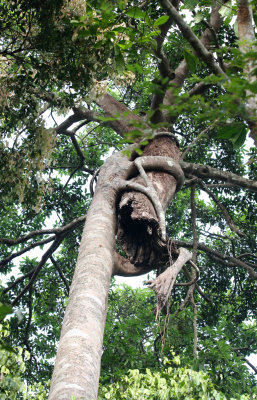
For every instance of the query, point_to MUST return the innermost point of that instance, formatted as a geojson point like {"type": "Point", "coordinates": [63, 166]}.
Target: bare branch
{"type": "Point", "coordinates": [182, 70]}
{"type": "Point", "coordinates": [199, 88]}
{"type": "Point", "coordinates": [198, 138]}
{"type": "Point", "coordinates": [193, 221]}
{"type": "Point", "coordinates": [60, 273]}
{"type": "Point", "coordinates": [25, 250]}
{"type": "Point", "coordinates": [223, 209]}
{"type": "Point", "coordinates": [250, 365]}
{"type": "Point", "coordinates": [247, 255]}
{"type": "Point", "coordinates": [44, 258]}
{"type": "Point", "coordinates": [205, 171]}
{"type": "Point", "coordinates": [18, 280]}
{"type": "Point", "coordinates": [26, 335]}
{"type": "Point", "coordinates": [204, 296]}
{"type": "Point", "coordinates": [78, 115]}
{"type": "Point", "coordinates": [71, 225]}
{"type": "Point", "coordinates": [226, 260]}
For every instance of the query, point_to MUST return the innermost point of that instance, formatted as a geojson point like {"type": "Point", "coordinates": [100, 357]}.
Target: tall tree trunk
{"type": "Point", "coordinates": [77, 365]}
{"type": "Point", "coordinates": [246, 37]}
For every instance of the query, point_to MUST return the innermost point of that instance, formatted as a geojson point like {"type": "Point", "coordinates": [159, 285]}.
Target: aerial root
{"type": "Point", "coordinates": [165, 282]}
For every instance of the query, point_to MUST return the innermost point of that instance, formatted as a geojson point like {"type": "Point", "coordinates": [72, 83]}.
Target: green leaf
{"type": "Point", "coordinates": [191, 60]}
{"type": "Point", "coordinates": [226, 10]}
{"type": "Point", "coordinates": [119, 59]}
{"type": "Point", "coordinates": [136, 13]}
{"type": "Point", "coordinates": [131, 67]}
{"type": "Point", "coordinates": [5, 309]}
{"type": "Point", "coordinates": [139, 68]}
{"type": "Point", "coordinates": [235, 27]}
{"type": "Point", "coordinates": [253, 87]}
{"type": "Point", "coordinates": [198, 17]}
{"type": "Point", "coordinates": [161, 20]}
{"type": "Point", "coordinates": [230, 130]}
{"type": "Point", "coordinates": [106, 119]}
{"type": "Point", "coordinates": [139, 151]}
{"type": "Point", "coordinates": [6, 346]}
{"type": "Point", "coordinates": [239, 140]}
{"type": "Point", "coordinates": [190, 4]}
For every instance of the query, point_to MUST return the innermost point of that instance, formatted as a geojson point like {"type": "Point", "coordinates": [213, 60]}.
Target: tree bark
{"type": "Point", "coordinates": [77, 366]}
{"type": "Point", "coordinates": [138, 230]}
{"type": "Point", "coordinates": [246, 37]}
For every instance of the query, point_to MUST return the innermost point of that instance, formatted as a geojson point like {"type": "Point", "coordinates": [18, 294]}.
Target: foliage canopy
{"type": "Point", "coordinates": [58, 61]}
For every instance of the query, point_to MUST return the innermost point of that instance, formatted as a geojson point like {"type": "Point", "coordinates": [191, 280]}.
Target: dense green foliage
{"type": "Point", "coordinates": [135, 340]}
{"type": "Point", "coordinates": [169, 383]}
{"type": "Point", "coordinates": [12, 365]}
{"type": "Point", "coordinates": [60, 56]}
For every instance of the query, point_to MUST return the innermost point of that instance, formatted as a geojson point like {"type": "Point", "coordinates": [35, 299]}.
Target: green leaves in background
{"type": "Point", "coordinates": [161, 20]}
{"type": "Point", "coordinates": [5, 309]}
{"type": "Point", "coordinates": [235, 132]}
{"type": "Point", "coordinates": [191, 59]}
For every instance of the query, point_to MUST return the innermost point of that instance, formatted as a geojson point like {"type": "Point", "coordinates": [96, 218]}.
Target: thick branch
{"type": "Point", "coordinates": [205, 171]}
{"type": "Point", "coordinates": [79, 115]}
{"type": "Point", "coordinates": [228, 261]}
{"type": "Point", "coordinates": [188, 34]}
{"type": "Point", "coordinates": [122, 267]}
{"type": "Point", "coordinates": [250, 365]}
{"type": "Point", "coordinates": [113, 108]}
